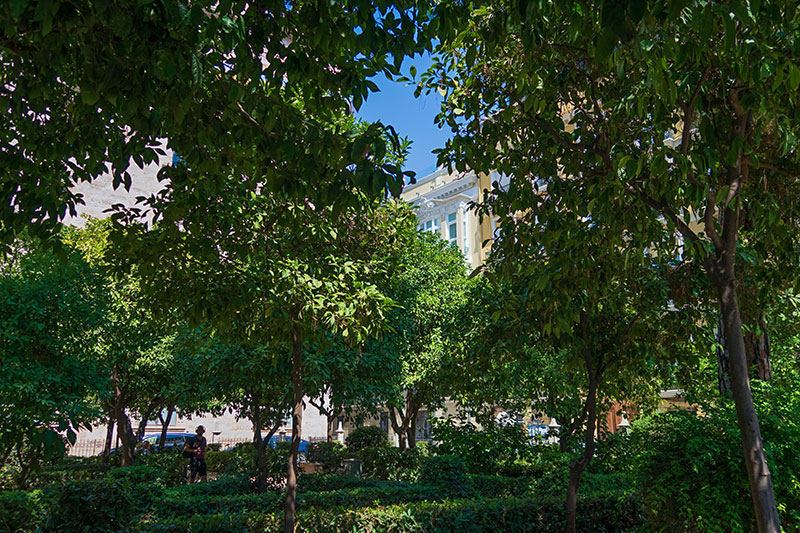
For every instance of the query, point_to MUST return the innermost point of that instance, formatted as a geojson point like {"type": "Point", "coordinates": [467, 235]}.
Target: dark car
{"type": "Point", "coordinates": [173, 439]}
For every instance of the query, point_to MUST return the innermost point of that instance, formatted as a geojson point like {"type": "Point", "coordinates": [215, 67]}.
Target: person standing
{"type": "Point", "coordinates": [195, 447]}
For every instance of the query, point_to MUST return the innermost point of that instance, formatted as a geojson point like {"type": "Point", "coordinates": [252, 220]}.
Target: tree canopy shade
{"type": "Point", "coordinates": [678, 118]}
{"type": "Point", "coordinates": [91, 88]}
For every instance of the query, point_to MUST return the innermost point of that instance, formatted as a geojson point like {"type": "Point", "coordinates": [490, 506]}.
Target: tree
{"type": "Point", "coordinates": [260, 269]}
{"type": "Point", "coordinates": [252, 382]}
{"type": "Point", "coordinates": [49, 317]}
{"type": "Point", "coordinates": [583, 330]}
{"type": "Point", "coordinates": [134, 349]}
{"type": "Point", "coordinates": [92, 89]}
{"type": "Point", "coordinates": [679, 119]}
{"type": "Point", "coordinates": [430, 286]}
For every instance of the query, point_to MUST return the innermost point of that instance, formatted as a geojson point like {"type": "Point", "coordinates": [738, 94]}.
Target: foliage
{"type": "Point", "coordinates": [690, 473]}
{"type": "Point", "coordinates": [71, 118]}
{"type": "Point", "coordinates": [430, 288]}
{"type": "Point", "coordinates": [366, 436]}
{"type": "Point", "coordinates": [97, 504]}
{"type": "Point", "coordinates": [678, 454]}
{"type": "Point", "coordinates": [331, 482]}
{"type": "Point", "coordinates": [242, 460]}
{"type": "Point", "coordinates": [484, 450]}
{"type": "Point", "coordinates": [21, 510]}
{"type": "Point", "coordinates": [50, 313]}
{"type": "Point", "coordinates": [328, 454]}
{"type": "Point", "coordinates": [447, 474]}
{"type": "Point", "coordinates": [675, 123]}
{"type": "Point", "coordinates": [544, 514]}
{"type": "Point", "coordinates": [390, 463]}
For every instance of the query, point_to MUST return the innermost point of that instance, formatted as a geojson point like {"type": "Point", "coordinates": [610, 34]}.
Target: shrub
{"type": "Point", "coordinates": [447, 474]}
{"type": "Point", "coordinates": [366, 437]}
{"type": "Point", "coordinates": [390, 463]}
{"type": "Point", "coordinates": [225, 485]}
{"type": "Point", "coordinates": [170, 465]}
{"type": "Point", "coordinates": [329, 482]}
{"type": "Point", "coordinates": [690, 473]}
{"type": "Point", "coordinates": [96, 505]}
{"type": "Point", "coordinates": [486, 450]}
{"type": "Point", "coordinates": [71, 469]}
{"type": "Point", "coordinates": [21, 510]}
{"type": "Point", "coordinates": [328, 454]}
{"type": "Point", "coordinates": [139, 474]}
{"type": "Point", "coordinates": [606, 514]}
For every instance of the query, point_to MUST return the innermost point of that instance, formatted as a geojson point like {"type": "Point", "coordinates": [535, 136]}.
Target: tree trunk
{"type": "Point", "coordinates": [400, 428]}
{"type": "Point", "coordinates": [297, 421]}
{"type": "Point", "coordinates": [767, 518]}
{"type": "Point", "coordinates": [412, 410]}
{"type": "Point", "coordinates": [260, 445]}
{"type": "Point", "coordinates": [164, 427]}
{"type": "Point", "coordinates": [757, 350]}
{"type": "Point", "coordinates": [149, 410]}
{"type": "Point", "coordinates": [124, 429]}
{"type": "Point", "coordinates": [577, 467]}
{"type": "Point", "coordinates": [109, 436]}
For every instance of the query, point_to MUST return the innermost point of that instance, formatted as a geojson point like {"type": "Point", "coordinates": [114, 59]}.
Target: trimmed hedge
{"type": "Point", "coordinates": [600, 514]}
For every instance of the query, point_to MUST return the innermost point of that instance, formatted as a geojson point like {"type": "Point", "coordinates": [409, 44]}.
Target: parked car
{"type": "Point", "coordinates": [173, 439]}
{"type": "Point", "coordinates": [273, 441]}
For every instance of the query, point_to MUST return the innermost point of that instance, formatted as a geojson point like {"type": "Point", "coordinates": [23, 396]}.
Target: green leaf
{"type": "Point", "coordinates": [794, 77]}
{"type": "Point", "coordinates": [18, 7]}
{"type": "Point", "coordinates": [604, 44]}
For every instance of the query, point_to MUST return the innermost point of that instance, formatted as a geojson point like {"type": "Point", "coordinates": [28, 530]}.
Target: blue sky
{"type": "Point", "coordinates": [412, 117]}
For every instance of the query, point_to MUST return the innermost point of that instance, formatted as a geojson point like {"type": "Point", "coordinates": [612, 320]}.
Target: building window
{"type": "Point", "coordinates": [452, 229]}
{"type": "Point", "coordinates": [430, 226]}
{"type": "Point", "coordinates": [385, 421]}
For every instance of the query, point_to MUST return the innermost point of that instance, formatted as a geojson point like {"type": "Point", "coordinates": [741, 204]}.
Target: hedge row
{"type": "Point", "coordinates": [601, 514]}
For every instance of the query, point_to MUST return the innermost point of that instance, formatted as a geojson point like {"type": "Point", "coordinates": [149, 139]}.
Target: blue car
{"type": "Point", "coordinates": [275, 439]}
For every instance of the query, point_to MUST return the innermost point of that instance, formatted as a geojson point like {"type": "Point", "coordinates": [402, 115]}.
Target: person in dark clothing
{"type": "Point", "coordinates": [196, 448]}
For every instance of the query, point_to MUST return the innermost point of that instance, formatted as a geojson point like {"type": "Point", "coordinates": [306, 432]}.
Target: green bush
{"type": "Point", "coordinates": [447, 474]}
{"type": "Point", "coordinates": [95, 505]}
{"type": "Point", "coordinates": [690, 473]}
{"type": "Point", "coordinates": [494, 486]}
{"type": "Point", "coordinates": [366, 437]}
{"type": "Point", "coordinates": [690, 468]}
{"type": "Point", "coordinates": [170, 465]}
{"type": "Point", "coordinates": [545, 515]}
{"type": "Point", "coordinates": [139, 474]}
{"type": "Point", "coordinates": [227, 484]}
{"type": "Point", "coordinates": [71, 469]}
{"type": "Point", "coordinates": [330, 482]}
{"type": "Point", "coordinates": [487, 450]}
{"type": "Point", "coordinates": [22, 511]}
{"type": "Point", "coordinates": [328, 454]}
{"type": "Point", "coordinates": [390, 463]}
{"type": "Point", "coordinates": [211, 523]}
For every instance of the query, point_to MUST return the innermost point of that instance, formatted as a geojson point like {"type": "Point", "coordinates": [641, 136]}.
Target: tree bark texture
{"type": "Point", "coordinates": [400, 428]}
{"type": "Point", "coordinates": [767, 518]}
{"type": "Point", "coordinates": [297, 421]}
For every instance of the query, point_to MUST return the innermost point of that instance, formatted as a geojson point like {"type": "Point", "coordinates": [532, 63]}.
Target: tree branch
{"type": "Point", "coordinates": [688, 112]}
